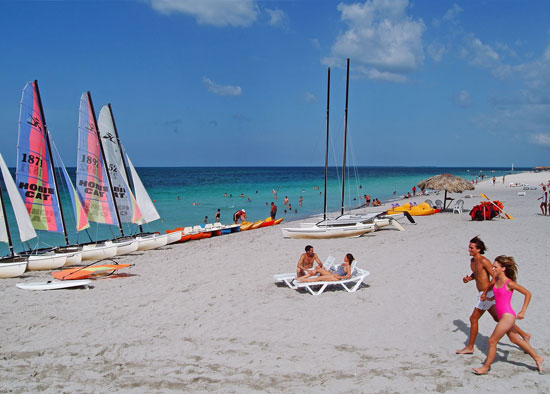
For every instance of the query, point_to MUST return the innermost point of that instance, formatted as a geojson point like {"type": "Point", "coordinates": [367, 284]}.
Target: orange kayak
{"type": "Point", "coordinates": [88, 272]}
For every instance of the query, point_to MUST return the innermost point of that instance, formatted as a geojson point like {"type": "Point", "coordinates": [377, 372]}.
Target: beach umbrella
{"type": "Point", "coordinates": [449, 183]}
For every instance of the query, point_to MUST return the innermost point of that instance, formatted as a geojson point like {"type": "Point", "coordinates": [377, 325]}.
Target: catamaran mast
{"type": "Point", "coordinates": [105, 161]}
{"type": "Point", "coordinates": [10, 243]}
{"type": "Point", "coordinates": [345, 140]}
{"type": "Point", "coordinates": [48, 146]}
{"type": "Point", "coordinates": [326, 149]}
{"type": "Point", "coordinates": [121, 154]}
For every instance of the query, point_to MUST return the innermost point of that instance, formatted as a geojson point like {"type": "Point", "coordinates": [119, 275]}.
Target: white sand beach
{"type": "Point", "coordinates": [206, 316]}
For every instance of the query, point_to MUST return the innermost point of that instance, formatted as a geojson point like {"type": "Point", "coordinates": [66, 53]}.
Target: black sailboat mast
{"type": "Point", "coordinates": [121, 153]}
{"type": "Point", "coordinates": [10, 243]}
{"type": "Point", "coordinates": [105, 161]}
{"type": "Point", "coordinates": [345, 140]}
{"type": "Point", "coordinates": [48, 146]}
{"type": "Point", "coordinates": [326, 149]}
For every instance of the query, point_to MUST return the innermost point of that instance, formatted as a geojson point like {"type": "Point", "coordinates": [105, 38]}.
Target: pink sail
{"type": "Point", "coordinates": [92, 183]}
{"type": "Point", "coordinates": [34, 173]}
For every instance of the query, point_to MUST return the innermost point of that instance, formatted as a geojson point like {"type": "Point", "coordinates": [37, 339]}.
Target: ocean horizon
{"type": "Point", "coordinates": [186, 196]}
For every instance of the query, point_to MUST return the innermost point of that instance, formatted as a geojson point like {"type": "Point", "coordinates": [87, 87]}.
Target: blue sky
{"type": "Point", "coordinates": [243, 82]}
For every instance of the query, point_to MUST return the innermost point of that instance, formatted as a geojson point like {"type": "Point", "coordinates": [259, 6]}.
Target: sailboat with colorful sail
{"type": "Point", "coordinates": [35, 262]}
{"type": "Point", "coordinates": [13, 265]}
{"type": "Point", "coordinates": [94, 185]}
{"type": "Point", "coordinates": [138, 210]}
{"type": "Point", "coordinates": [35, 173]}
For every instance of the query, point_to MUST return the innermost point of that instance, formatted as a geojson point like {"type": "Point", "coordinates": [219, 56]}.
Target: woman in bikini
{"type": "Point", "coordinates": [342, 272]}
{"type": "Point", "coordinates": [504, 275]}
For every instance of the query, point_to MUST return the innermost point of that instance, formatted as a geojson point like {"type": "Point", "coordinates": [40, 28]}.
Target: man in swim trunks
{"type": "Point", "coordinates": [481, 273]}
{"type": "Point", "coordinates": [307, 259]}
{"type": "Point", "coordinates": [273, 211]}
{"type": "Point", "coordinates": [239, 215]}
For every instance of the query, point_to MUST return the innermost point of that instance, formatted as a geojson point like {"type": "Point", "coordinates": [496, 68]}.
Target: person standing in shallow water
{"type": "Point", "coordinates": [503, 285]}
{"type": "Point", "coordinates": [481, 273]}
{"type": "Point", "coordinates": [273, 211]}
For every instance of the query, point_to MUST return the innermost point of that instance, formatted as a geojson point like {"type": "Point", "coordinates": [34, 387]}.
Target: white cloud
{"type": "Point", "coordinates": [218, 13]}
{"type": "Point", "coordinates": [462, 99]}
{"type": "Point", "coordinates": [310, 97]}
{"type": "Point", "coordinates": [436, 51]}
{"type": "Point", "coordinates": [480, 54]}
{"type": "Point", "coordinates": [221, 90]}
{"type": "Point", "coordinates": [540, 139]}
{"type": "Point", "coordinates": [277, 18]}
{"type": "Point", "coordinates": [315, 42]}
{"type": "Point", "coordinates": [381, 37]}
{"type": "Point", "coordinates": [452, 14]}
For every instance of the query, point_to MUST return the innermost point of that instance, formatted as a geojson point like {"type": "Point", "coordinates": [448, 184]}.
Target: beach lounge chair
{"type": "Point", "coordinates": [459, 205]}
{"type": "Point", "coordinates": [439, 204]}
{"type": "Point", "coordinates": [289, 278]}
{"type": "Point", "coordinates": [350, 285]}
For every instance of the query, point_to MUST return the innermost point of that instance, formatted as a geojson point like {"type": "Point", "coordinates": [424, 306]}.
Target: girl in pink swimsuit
{"type": "Point", "coordinates": [503, 284]}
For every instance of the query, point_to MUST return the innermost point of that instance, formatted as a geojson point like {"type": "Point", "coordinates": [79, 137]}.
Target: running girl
{"type": "Point", "coordinates": [504, 273]}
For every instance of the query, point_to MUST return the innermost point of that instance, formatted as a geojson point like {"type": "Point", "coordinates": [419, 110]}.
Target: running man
{"type": "Point", "coordinates": [481, 273]}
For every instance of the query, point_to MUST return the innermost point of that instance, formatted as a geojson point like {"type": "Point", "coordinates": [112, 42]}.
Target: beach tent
{"type": "Point", "coordinates": [448, 183]}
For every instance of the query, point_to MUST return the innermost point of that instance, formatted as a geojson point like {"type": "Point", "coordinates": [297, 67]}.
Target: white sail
{"type": "Point", "coordinates": [144, 202]}
{"type": "Point", "coordinates": [26, 229]}
{"type": "Point", "coordinates": [126, 203]}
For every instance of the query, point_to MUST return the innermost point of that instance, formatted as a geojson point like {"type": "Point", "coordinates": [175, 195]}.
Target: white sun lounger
{"type": "Point", "coordinates": [350, 285]}
{"type": "Point", "coordinates": [288, 278]}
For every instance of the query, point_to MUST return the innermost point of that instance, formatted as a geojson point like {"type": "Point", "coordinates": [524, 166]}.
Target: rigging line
{"type": "Point", "coordinates": [355, 169]}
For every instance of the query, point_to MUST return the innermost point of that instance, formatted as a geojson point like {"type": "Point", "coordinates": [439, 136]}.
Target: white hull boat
{"type": "Point", "coordinates": [379, 219]}
{"type": "Point", "coordinates": [98, 251]}
{"type": "Point", "coordinates": [152, 241]}
{"type": "Point", "coordinates": [174, 237]}
{"type": "Point", "coordinates": [46, 262]}
{"type": "Point", "coordinates": [124, 246]}
{"type": "Point", "coordinates": [12, 267]}
{"type": "Point", "coordinates": [73, 258]}
{"type": "Point", "coordinates": [326, 232]}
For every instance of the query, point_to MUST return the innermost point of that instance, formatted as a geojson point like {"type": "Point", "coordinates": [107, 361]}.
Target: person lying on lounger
{"type": "Point", "coordinates": [342, 272]}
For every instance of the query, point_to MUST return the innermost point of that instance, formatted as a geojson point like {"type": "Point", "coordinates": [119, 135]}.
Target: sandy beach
{"type": "Point", "coordinates": [206, 316]}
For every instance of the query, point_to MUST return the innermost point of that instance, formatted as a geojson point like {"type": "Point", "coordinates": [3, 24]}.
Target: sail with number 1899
{"type": "Point", "coordinates": [93, 181]}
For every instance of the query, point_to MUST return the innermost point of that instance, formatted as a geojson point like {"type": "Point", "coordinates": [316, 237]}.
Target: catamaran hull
{"type": "Point", "coordinates": [153, 242]}
{"type": "Point", "coordinates": [174, 237]}
{"type": "Point", "coordinates": [98, 252]}
{"type": "Point", "coordinates": [46, 262]}
{"type": "Point", "coordinates": [73, 258]}
{"type": "Point", "coordinates": [327, 232]}
{"type": "Point", "coordinates": [13, 267]}
{"type": "Point", "coordinates": [125, 247]}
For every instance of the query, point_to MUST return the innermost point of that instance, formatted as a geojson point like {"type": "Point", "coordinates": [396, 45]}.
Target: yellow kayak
{"type": "Point", "coordinates": [257, 224]}
{"type": "Point", "coordinates": [417, 210]}
{"type": "Point", "coordinates": [246, 226]}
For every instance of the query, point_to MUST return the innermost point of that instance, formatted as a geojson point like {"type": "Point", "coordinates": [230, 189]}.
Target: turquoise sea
{"type": "Point", "coordinates": [184, 196]}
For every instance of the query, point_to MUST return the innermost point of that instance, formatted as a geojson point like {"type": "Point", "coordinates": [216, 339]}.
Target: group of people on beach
{"type": "Point", "coordinates": [496, 283]}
